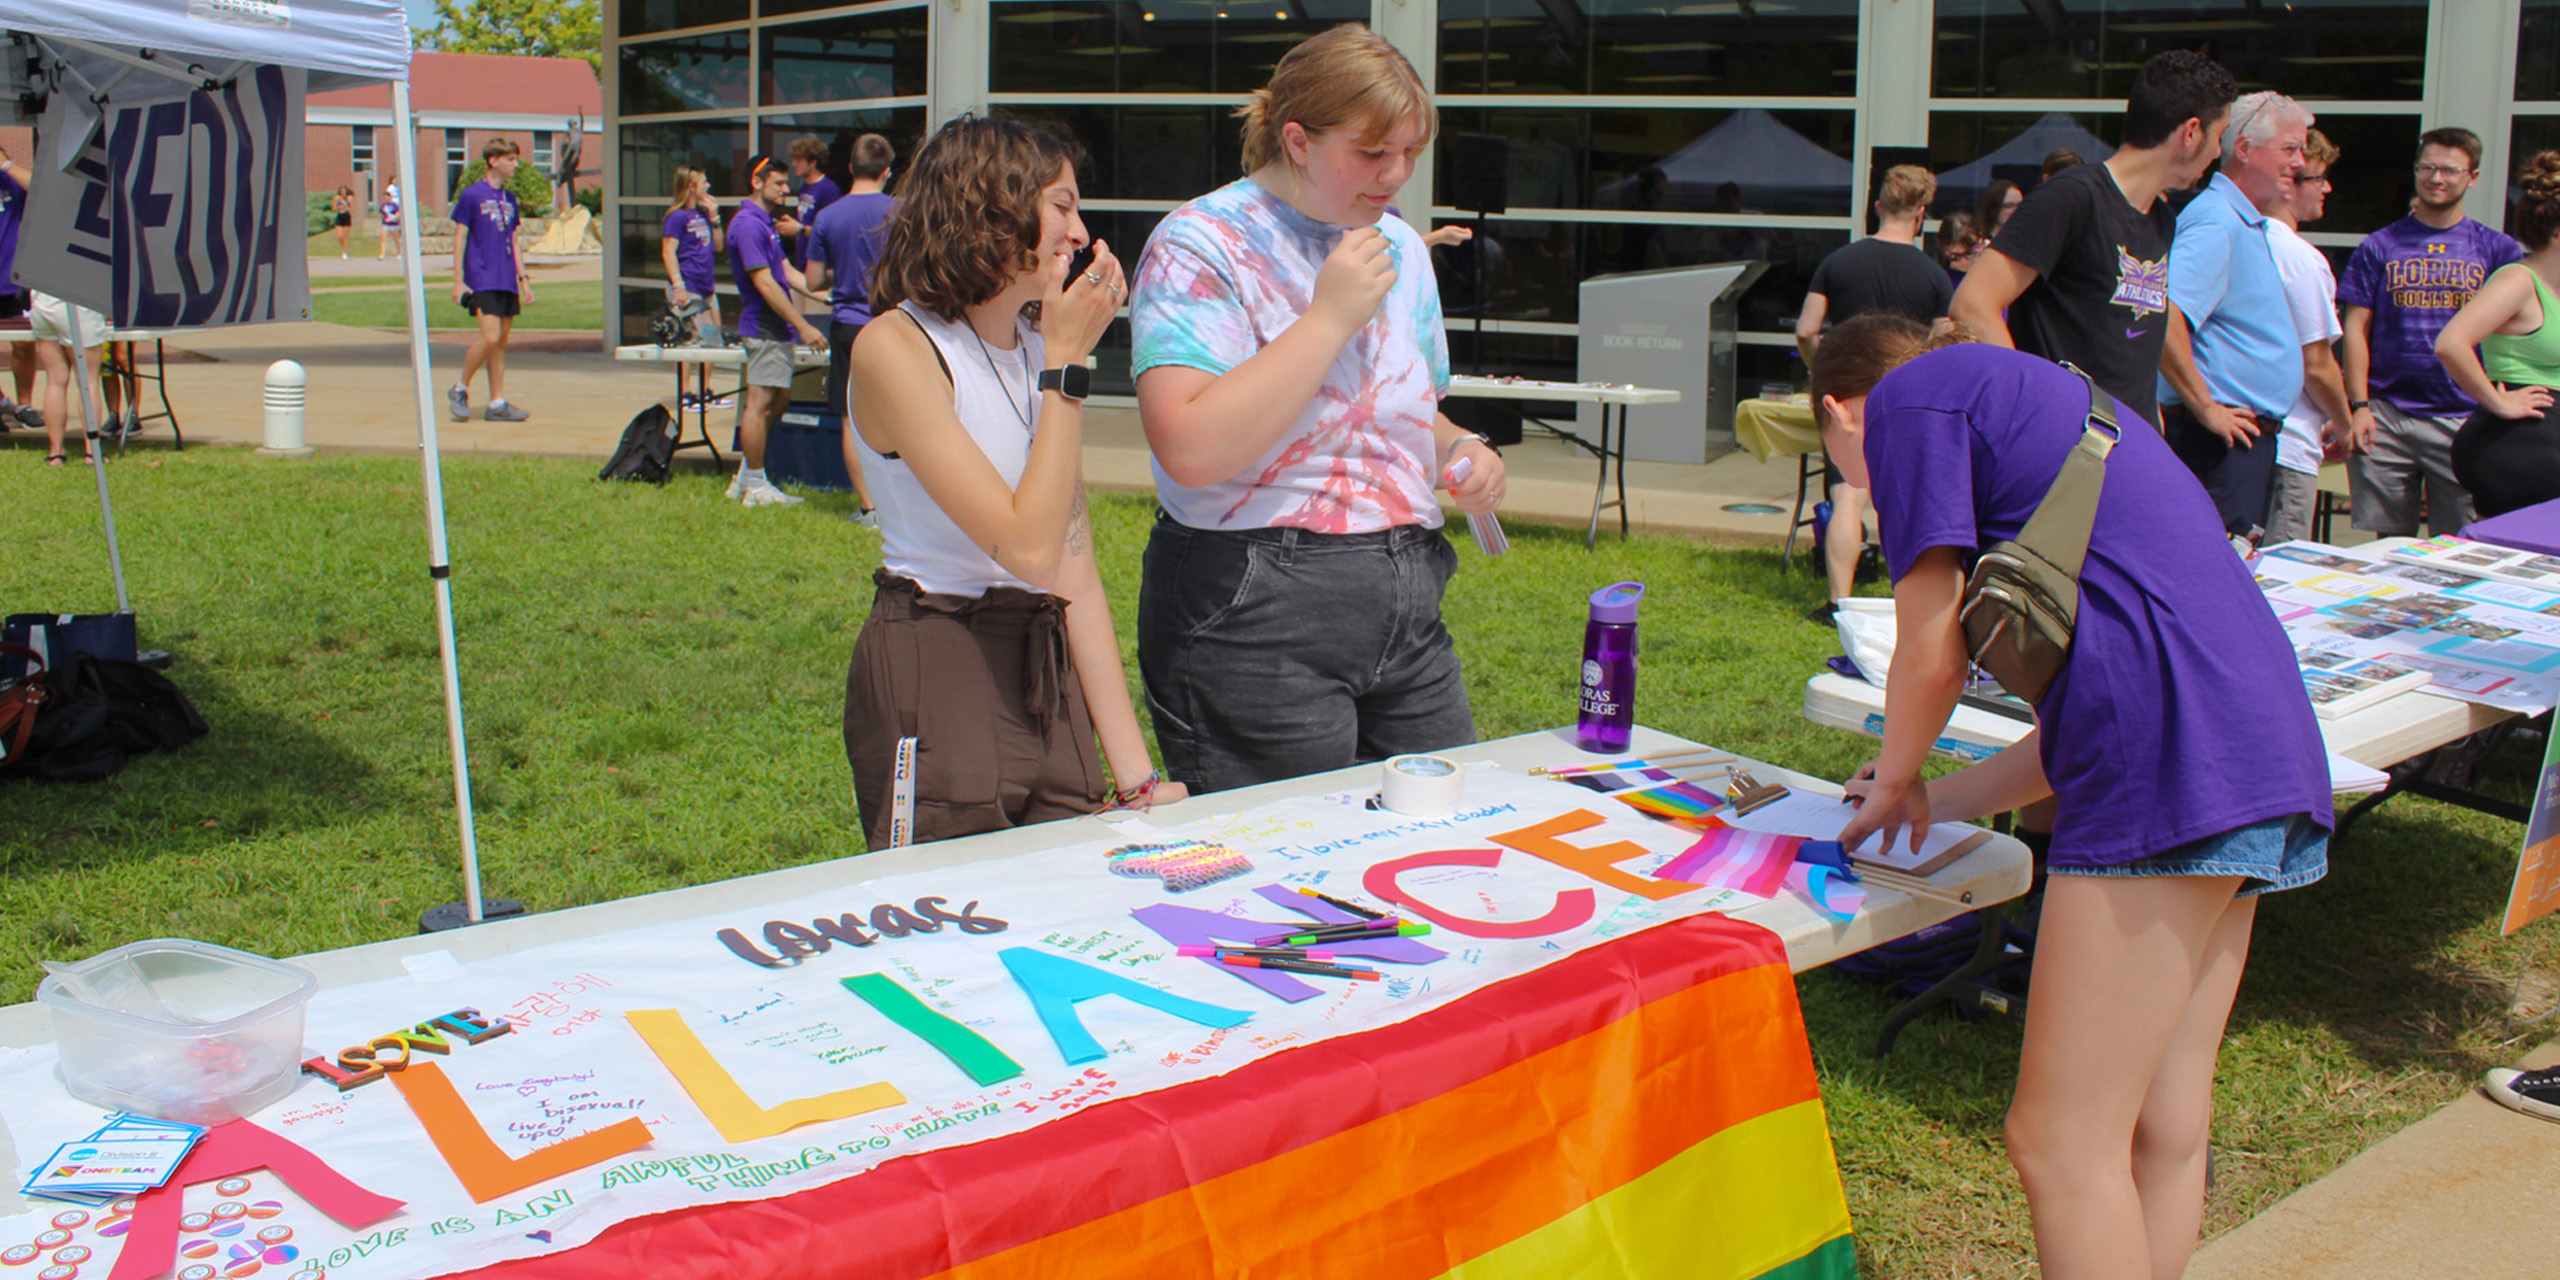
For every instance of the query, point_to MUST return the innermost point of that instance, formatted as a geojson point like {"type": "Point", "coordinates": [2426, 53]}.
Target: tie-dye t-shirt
{"type": "Point", "coordinates": [1222, 278]}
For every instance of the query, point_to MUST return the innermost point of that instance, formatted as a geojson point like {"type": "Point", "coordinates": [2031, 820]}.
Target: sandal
{"type": "Point", "coordinates": [53, 459]}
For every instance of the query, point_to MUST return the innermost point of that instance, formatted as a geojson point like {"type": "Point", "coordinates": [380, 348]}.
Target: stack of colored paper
{"type": "Point", "coordinates": [128, 1155]}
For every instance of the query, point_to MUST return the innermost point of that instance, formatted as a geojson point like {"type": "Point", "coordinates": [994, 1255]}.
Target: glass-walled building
{"type": "Point", "coordinates": [1641, 133]}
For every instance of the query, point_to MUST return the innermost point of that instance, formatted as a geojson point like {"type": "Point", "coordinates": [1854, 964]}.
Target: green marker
{"type": "Point", "coordinates": [1337, 939]}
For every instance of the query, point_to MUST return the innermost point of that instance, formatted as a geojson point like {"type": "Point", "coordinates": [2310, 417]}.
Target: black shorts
{"type": "Point", "coordinates": [12, 305]}
{"type": "Point", "coordinates": [839, 362]}
{"type": "Point", "coordinates": [346, 219]}
{"type": "Point", "coordinates": [491, 302]}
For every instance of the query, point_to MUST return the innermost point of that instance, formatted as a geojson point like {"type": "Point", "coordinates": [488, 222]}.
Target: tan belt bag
{"type": "Point", "coordinates": [2023, 600]}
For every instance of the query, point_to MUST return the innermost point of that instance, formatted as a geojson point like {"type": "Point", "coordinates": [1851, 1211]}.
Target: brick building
{"type": "Point", "coordinates": [460, 100]}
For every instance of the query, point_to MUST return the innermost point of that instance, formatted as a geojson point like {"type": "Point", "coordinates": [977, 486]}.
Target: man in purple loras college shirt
{"type": "Point", "coordinates": [2404, 282]}
{"type": "Point", "coordinates": [488, 279]}
{"type": "Point", "coordinates": [766, 324]}
{"type": "Point", "coordinates": [844, 243]}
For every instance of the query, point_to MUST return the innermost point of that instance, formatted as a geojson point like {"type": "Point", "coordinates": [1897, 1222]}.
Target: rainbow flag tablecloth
{"type": "Point", "coordinates": [1645, 1108]}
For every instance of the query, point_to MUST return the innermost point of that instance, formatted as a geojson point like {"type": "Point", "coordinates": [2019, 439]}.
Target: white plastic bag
{"type": "Point", "coordinates": [1866, 635]}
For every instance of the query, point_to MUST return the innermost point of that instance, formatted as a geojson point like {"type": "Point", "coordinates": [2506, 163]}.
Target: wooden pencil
{"type": "Point", "coordinates": [1905, 882]}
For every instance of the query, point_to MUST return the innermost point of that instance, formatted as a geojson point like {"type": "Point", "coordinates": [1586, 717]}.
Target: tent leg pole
{"type": "Point", "coordinates": [97, 452]}
{"type": "Point", "coordinates": [439, 566]}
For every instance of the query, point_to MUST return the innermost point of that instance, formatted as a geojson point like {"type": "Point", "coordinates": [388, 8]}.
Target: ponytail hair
{"type": "Point", "coordinates": [1857, 354]}
{"type": "Point", "coordinates": [2537, 210]}
{"type": "Point", "coordinates": [1349, 77]}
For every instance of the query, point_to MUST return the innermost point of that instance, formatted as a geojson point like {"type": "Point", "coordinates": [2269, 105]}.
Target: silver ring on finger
{"type": "Point", "coordinates": [1093, 277]}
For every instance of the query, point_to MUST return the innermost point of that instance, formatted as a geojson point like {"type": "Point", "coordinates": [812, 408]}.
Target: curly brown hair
{"type": "Point", "coordinates": [2537, 211]}
{"type": "Point", "coordinates": [968, 217]}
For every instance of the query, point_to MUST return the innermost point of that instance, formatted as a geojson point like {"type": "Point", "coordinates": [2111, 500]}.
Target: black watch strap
{"type": "Point", "coordinates": [1074, 381]}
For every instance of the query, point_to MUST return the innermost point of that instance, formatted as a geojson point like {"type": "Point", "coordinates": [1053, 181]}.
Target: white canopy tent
{"type": "Point", "coordinates": [70, 61]}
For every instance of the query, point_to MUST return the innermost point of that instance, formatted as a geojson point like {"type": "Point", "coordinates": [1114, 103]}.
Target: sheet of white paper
{"type": "Point", "coordinates": [1820, 817]}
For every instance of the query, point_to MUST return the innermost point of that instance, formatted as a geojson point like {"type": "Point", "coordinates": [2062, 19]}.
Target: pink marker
{"type": "Point", "coordinates": [1276, 953]}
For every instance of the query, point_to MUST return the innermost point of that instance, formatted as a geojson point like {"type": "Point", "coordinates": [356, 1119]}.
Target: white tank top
{"type": "Point", "coordinates": [995, 394]}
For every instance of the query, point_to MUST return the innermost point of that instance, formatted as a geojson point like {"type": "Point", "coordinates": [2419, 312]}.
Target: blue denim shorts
{"type": "Point", "coordinates": [2279, 853]}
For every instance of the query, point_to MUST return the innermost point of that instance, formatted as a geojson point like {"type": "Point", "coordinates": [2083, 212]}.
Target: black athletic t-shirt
{"type": "Point", "coordinates": [1879, 275]}
{"type": "Point", "coordinates": [2101, 296]}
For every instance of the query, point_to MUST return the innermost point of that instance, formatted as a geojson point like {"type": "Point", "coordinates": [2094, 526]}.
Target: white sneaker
{"type": "Point", "coordinates": [2535, 1093]}
{"type": "Point", "coordinates": [738, 484]}
{"type": "Point", "coordinates": [765, 495]}
{"type": "Point", "coordinates": [866, 518]}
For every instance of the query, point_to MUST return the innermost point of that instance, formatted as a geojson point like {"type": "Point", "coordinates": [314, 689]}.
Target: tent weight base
{"type": "Point", "coordinates": [156, 659]}
{"type": "Point", "coordinates": [455, 915]}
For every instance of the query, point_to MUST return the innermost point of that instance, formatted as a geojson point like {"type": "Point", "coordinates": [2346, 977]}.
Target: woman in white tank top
{"type": "Point", "coordinates": [988, 668]}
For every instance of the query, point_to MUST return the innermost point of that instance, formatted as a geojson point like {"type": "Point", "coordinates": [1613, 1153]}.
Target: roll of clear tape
{"type": "Point", "coordinates": [1421, 786]}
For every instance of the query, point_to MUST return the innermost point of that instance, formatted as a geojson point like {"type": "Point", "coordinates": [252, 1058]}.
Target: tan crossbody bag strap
{"type": "Point", "coordinates": [2059, 529]}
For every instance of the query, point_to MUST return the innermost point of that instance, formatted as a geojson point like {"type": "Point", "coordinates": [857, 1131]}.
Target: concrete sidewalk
{"type": "Point", "coordinates": [361, 400]}
{"type": "Point", "coordinates": [2464, 1194]}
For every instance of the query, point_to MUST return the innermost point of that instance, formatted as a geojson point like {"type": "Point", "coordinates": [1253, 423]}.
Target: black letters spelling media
{"type": "Point", "coordinates": [792, 943]}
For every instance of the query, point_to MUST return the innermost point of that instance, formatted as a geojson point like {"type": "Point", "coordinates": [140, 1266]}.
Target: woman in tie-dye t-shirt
{"type": "Point", "coordinates": [1290, 363]}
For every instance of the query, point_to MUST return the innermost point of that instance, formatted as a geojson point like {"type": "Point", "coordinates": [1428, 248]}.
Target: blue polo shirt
{"type": "Point", "coordinates": [2222, 274]}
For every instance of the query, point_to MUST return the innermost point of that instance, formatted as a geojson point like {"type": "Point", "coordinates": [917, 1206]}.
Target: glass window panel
{"type": "Point", "coordinates": [1747, 161]}
{"type": "Point", "coordinates": [2530, 134]}
{"type": "Point", "coordinates": [1149, 153]}
{"type": "Point", "coordinates": [1150, 46]}
{"type": "Point", "coordinates": [863, 55]}
{"type": "Point", "coordinates": [1534, 270]}
{"type": "Point", "coordinates": [1793, 48]}
{"type": "Point", "coordinates": [2538, 52]}
{"type": "Point", "coordinates": [2370, 183]}
{"type": "Point", "coordinates": [902, 126]}
{"type": "Point", "coordinates": [690, 73]}
{"type": "Point", "coordinates": [651, 154]}
{"type": "Point", "coordinates": [641, 17]}
{"type": "Point", "coordinates": [2363, 49]}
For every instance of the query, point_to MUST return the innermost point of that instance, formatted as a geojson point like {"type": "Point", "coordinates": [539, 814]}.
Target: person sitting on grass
{"type": "Point", "coordinates": [2186, 768]}
{"type": "Point", "coordinates": [990, 644]}
{"type": "Point", "coordinates": [489, 279]}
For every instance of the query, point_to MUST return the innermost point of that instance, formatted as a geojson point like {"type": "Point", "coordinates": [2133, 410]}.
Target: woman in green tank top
{"type": "Point", "coordinates": [2508, 454]}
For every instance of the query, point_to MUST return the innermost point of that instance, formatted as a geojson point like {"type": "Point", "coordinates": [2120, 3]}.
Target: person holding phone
{"type": "Point", "coordinates": [1290, 359]}
{"type": "Point", "coordinates": [990, 652]}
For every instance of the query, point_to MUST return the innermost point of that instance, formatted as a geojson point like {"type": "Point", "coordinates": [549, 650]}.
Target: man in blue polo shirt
{"type": "Point", "coordinates": [2233, 362]}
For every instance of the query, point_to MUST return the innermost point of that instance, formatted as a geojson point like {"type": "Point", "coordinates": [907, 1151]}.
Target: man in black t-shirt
{"type": "Point", "coordinates": [2081, 270]}
{"type": "Point", "coordinates": [1886, 271]}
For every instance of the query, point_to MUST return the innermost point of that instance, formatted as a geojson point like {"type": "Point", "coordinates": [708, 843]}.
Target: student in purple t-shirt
{"type": "Point", "coordinates": [809, 159]}
{"type": "Point", "coordinates": [766, 324]}
{"type": "Point", "coordinates": [13, 302]}
{"type": "Point", "coordinates": [688, 246]}
{"type": "Point", "coordinates": [2400, 287]}
{"type": "Point", "coordinates": [844, 243]}
{"type": "Point", "coordinates": [488, 279]}
{"type": "Point", "coordinates": [2186, 766]}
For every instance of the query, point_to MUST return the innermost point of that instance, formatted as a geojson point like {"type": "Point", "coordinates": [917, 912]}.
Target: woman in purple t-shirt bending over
{"type": "Point", "coordinates": [2182, 755]}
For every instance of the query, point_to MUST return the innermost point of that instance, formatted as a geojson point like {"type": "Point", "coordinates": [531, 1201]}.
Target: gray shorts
{"type": "Point", "coordinates": [2289, 512]}
{"type": "Point", "coordinates": [768, 362]}
{"type": "Point", "coordinates": [2410, 455]}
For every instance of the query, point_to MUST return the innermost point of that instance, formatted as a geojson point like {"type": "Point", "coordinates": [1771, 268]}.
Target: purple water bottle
{"type": "Point", "coordinates": [1609, 669]}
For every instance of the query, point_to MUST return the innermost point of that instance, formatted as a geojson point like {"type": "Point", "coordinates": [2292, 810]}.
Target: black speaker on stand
{"type": "Point", "coordinates": [1477, 183]}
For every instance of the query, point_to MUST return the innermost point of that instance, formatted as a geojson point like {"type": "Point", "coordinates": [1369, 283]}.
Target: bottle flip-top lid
{"type": "Point", "coordinates": [1616, 602]}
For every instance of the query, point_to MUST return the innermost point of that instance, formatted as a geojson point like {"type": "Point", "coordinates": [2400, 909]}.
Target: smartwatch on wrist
{"type": "Point", "coordinates": [2353, 405]}
{"type": "Point", "coordinates": [1074, 381]}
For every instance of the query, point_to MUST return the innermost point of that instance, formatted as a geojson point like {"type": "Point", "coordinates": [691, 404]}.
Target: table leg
{"type": "Point", "coordinates": [1622, 469]}
{"type": "Point", "coordinates": [160, 380]}
{"type": "Point", "coordinates": [1964, 986]}
{"type": "Point", "coordinates": [1795, 523]}
{"type": "Point", "coordinates": [1609, 453]}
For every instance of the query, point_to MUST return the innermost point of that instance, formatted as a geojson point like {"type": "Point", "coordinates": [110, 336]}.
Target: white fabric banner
{"type": "Point", "coordinates": [181, 212]}
{"type": "Point", "coordinates": [342, 42]}
{"type": "Point", "coordinates": [789, 1028]}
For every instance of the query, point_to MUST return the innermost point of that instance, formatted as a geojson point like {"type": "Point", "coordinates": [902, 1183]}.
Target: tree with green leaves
{"type": "Point", "coordinates": [524, 28]}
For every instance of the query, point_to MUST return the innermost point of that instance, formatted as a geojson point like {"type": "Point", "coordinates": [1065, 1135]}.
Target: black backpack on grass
{"type": "Point", "coordinates": [648, 447]}
{"type": "Point", "coordinates": [95, 712]}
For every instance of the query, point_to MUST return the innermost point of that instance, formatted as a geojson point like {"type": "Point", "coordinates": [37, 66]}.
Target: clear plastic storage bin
{"type": "Point", "coordinates": [178, 1029]}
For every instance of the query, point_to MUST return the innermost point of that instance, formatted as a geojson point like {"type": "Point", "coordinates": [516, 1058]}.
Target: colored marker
{"type": "Point", "coordinates": [1274, 953]}
{"type": "Point", "coordinates": [1360, 928]}
{"type": "Point", "coordinates": [1292, 966]}
{"type": "Point", "coordinates": [1352, 907]}
{"type": "Point", "coordinates": [1382, 931]}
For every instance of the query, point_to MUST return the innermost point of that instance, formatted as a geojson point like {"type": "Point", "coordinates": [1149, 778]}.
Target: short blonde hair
{"type": "Point", "coordinates": [1907, 190]}
{"type": "Point", "coordinates": [1349, 76]}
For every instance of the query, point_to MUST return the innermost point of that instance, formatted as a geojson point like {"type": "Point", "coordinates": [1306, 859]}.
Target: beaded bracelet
{"type": "Point", "coordinates": [1126, 796]}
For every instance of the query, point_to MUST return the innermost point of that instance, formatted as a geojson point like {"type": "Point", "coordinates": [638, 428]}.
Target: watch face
{"type": "Point", "coordinates": [1074, 381]}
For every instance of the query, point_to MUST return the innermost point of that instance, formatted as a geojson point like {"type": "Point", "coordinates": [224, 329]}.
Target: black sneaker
{"type": "Point", "coordinates": [2535, 1093]}
{"type": "Point", "coordinates": [1826, 614]}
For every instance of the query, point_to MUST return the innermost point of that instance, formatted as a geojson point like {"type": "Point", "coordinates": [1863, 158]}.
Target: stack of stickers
{"type": "Point", "coordinates": [128, 1155]}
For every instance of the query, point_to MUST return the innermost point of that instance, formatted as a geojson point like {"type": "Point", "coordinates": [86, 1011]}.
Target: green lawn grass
{"type": "Point", "coordinates": [564, 305]}
{"type": "Point", "coordinates": [654, 681]}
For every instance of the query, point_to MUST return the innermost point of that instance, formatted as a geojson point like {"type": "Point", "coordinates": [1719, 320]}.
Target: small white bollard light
{"type": "Point", "coordinates": [288, 387]}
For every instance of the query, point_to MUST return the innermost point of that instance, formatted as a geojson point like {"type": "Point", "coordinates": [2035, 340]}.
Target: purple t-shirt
{"type": "Point", "coordinates": [2181, 714]}
{"type": "Point", "coordinates": [847, 237]}
{"type": "Point", "coordinates": [13, 201]}
{"type": "Point", "coordinates": [2413, 277]}
{"type": "Point", "coordinates": [755, 246]}
{"type": "Point", "coordinates": [814, 199]}
{"type": "Point", "coordinates": [691, 230]}
{"type": "Point", "coordinates": [487, 216]}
